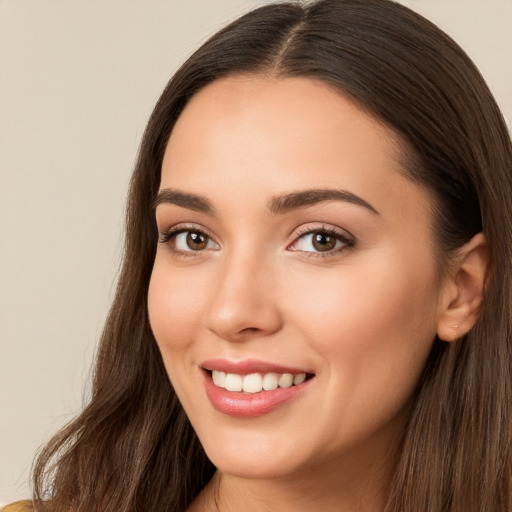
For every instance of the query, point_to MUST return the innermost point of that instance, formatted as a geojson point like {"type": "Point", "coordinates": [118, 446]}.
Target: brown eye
{"type": "Point", "coordinates": [196, 241]}
{"type": "Point", "coordinates": [188, 241]}
{"type": "Point", "coordinates": [323, 242]}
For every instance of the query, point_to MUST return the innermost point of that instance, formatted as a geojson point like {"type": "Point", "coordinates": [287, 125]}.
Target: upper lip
{"type": "Point", "coordinates": [248, 366]}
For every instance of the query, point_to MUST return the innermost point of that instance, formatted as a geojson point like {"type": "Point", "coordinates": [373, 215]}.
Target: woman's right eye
{"type": "Point", "coordinates": [188, 241]}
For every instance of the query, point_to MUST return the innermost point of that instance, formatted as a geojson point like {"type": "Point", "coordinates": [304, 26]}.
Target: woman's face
{"type": "Point", "coordinates": [291, 244]}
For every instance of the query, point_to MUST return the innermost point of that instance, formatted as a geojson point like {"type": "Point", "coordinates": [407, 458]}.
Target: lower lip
{"type": "Point", "coordinates": [248, 405]}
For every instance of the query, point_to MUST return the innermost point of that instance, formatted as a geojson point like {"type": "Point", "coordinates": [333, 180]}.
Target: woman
{"type": "Point", "coordinates": [318, 260]}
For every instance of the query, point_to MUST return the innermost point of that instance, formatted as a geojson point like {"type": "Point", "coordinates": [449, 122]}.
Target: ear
{"type": "Point", "coordinates": [463, 290]}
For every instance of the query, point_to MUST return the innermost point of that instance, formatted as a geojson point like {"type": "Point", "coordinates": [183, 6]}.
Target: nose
{"type": "Point", "coordinates": [243, 302]}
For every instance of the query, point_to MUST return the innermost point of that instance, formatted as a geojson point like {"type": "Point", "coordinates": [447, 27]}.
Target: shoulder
{"type": "Point", "coordinates": [19, 506]}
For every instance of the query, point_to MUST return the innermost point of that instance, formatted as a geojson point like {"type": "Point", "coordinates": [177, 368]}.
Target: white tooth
{"type": "Point", "coordinates": [253, 383]}
{"type": "Point", "coordinates": [286, 380]}
{"type": "Point", "coordinates": [299, 378]}
{"type": "Point", "coordinates": [270, 381]}
{"type": "Point", "coordinates": [219, 378]}
{"type": "Point", "coordinates": [233, 382]}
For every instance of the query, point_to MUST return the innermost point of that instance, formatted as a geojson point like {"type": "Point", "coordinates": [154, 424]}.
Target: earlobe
{"type": "Point", "coordinates": [463, 290]}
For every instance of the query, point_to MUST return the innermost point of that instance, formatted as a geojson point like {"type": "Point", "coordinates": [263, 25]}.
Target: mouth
{"type": "Point", "coordinates": [251, 388]}
{"type": "Point", "coordinates": [253, 383]}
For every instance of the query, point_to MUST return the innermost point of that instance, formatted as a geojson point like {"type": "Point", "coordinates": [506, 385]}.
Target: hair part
{"type": "Point", "coordinates": [133, 448]}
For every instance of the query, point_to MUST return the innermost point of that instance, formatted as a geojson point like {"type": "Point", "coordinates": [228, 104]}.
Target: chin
{"type": "Point", "coordinates": [247, 453]}
{"type": "Point", "coordinates": [253, 468]}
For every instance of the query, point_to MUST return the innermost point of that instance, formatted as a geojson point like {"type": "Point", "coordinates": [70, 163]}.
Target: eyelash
{"type": "Point", "coordinates": [173, 232]}
{"type": "Point", "coordinates": [346, 241]}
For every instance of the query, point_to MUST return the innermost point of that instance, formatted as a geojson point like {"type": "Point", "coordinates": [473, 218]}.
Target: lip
{"type": "Point", "coordinates": [248, 405]}
{"type": "Point", "coordinates": [248, 366]}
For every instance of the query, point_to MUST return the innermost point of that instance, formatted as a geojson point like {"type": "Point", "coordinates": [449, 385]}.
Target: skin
{"type": "Point", "coordinates": [362, 318]}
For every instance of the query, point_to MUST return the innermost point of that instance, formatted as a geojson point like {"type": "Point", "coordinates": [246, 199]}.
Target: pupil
{"type": "Point", "coordinates": [323, 242]}
{"type": "Point", "coordinates": [196, 241]}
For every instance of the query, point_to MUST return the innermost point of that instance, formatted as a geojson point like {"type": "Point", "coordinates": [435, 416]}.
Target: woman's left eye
{"type": "Point", "coordinates": [321, 241]}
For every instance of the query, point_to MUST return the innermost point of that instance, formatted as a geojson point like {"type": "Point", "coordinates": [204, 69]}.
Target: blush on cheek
{"type": "Point", "coordinates": [366, 312]}
{"type": "Point", "coordinates": [171, 315]}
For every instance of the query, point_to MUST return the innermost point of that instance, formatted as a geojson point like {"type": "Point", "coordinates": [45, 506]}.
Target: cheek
{"type": "Point", "coordinates": [358, 305]}
{"type": "Point", "coordinates": [174, 305]}
{"type": "Point", "coordinates": [373, 324]}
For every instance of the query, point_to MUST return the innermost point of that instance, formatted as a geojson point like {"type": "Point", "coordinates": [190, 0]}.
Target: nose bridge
{"type": "Point", "coordinates": [243, 303]}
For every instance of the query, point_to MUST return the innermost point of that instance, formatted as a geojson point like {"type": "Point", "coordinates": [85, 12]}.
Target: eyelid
{"type": "Point", "coordinates": [165, 236]}
{"type": "Point", "coordinates": [347, 239]}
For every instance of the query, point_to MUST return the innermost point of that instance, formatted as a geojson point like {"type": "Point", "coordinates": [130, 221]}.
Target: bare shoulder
{"type": "Point", "coordinates": [19, 506]}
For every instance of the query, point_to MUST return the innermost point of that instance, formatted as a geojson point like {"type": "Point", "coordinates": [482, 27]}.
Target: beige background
{"type": "Point", "coordinates": [78, 79]}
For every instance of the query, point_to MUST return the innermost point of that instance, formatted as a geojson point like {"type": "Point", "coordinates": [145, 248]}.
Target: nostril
{"type": "Point", "coordinates": [249, 330]}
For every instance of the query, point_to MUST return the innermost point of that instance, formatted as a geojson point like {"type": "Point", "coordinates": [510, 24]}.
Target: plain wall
{"type": "Point", "coordinates": [78, 80]}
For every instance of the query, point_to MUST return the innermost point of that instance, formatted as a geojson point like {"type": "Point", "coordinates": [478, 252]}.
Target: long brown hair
{"type": "Point", "coordinates": [133, 449]}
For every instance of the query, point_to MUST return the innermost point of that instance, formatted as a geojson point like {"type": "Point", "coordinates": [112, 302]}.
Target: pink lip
{"type": "Point", "coordinates": [248, 366]}
{"type": "Point", "coordinates": [247, 405]}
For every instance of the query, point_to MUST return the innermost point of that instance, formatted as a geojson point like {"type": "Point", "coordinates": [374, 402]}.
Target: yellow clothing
{"type": "Point", "coordinates": [19, 506]}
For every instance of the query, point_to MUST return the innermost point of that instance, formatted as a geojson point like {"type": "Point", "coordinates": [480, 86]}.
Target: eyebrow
{"type": "Point", "coordinates": [277, 205]}
{"type": "Point", "coordinates": [296, 200]}
{"type": "Point", "coordinates": [183, 199]}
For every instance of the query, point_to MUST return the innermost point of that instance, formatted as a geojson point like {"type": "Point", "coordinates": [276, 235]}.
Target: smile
{"type": "Point", "coordinates": [256, 382]}
{"type": "Point", "coordinates": [251, 388]}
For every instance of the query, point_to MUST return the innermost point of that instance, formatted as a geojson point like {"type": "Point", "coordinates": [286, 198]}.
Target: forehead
{"type": "Point", "coordinates": [296, 109]}
{"type": "Point", "coordinates": [261, 136]}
